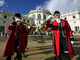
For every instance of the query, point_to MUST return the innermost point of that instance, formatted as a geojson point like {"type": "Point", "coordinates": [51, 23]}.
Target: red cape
{"type": "Point", "coordinates": [68, 34]}
{"type": "Point", "coordinates": [10, 44]}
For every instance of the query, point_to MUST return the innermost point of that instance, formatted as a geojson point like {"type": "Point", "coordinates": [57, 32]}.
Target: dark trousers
{"type": "Point", "coordinates": [8, 58]}
{"type": "Point", "coordinates": [18, 57]}
{"type": "Point", "coordinates": [63, 47]}
{"type": "Point", "coordinates": [64, 56]}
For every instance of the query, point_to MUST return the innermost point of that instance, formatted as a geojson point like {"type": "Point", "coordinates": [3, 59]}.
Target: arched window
{"type": "Point", "coordinates": [33, 22]}
{"type": "Point", "coordinates": [39, 16]}
{"type": "Point", "coordinates": [38, 28]}
{"type": "Point", "coordinates": [39, 22]}
{"type": "Point", "coordinates": [34, 17]}
{"type": "Point", "coordinates": [45, 17]}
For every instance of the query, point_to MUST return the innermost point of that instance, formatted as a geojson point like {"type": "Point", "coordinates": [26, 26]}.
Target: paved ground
{"type": "Point", "coordinates": [40, 51]}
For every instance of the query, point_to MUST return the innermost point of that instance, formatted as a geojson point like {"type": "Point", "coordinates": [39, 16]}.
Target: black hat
{"type": "Point", "coordinates": [57, 12]}
{"type": "Point", "coordinates": [18, 15]}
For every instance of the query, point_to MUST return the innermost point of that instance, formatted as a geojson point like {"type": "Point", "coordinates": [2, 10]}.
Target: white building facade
{"type": "Point", "coordinates": [73, 19]}
{"type": "Point", "coordinates": [38, 16]}
{"type": "Point", "coordinates": [6, 18]}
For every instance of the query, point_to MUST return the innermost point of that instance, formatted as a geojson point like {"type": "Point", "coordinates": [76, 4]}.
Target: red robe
{"type": "Point", "coordinates": [10, 44]}
{"type": "Point", "coordinates": [56, 36]}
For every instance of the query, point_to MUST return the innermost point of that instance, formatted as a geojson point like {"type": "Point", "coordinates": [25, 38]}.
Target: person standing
{"type": "Point", "coordinates": [62, 37]}
{"type": "Point", "coordinates": [16, 39]}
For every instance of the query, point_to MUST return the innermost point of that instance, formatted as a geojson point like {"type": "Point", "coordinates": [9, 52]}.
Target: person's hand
{"type": "Point", "coordinates": [49, 17]}
{"type": "Point", "coordinates": [18, 20]}
{"type": "Point", "coordinates": [72, 42]}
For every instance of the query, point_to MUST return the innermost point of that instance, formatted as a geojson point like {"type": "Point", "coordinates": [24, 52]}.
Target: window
{"type": "Point", "coordinates": [39, 22]}
{"type": "Point", "coordinates": [33, 22]}
{"type": "Point", "coordinates": [38, 28]}
{"type": "Point", "coordinates": [76, 28]}
{"type": "Point", "coordinates": [24, 20]}
{"type": "Point", "coordinates": [28, 21]}
{"type": "Point", "coordinates": [33, 25]}
{"type": "Point", "coordinates": [4, 21]}
{"type": "Point", "coordinates": [5, 16]}
{"type": "Point", "coordinates": [2, 28]}
{"type": "Point", "coordinates": [45, 17]}
{"type": "Point", "coordinates": [39, 16]}
{"type": "Point", "coordinates": [34, 17]}
{"type": "Point", "coordinates": [74, 16]}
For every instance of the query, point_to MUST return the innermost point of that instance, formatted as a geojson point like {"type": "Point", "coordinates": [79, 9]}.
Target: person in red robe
{"type": "Point", "coordinates": [30, 31]}
{"type": "Point", "coordinates": [62, 37]}
{"type": "Point", "coordinates": [17, 38]}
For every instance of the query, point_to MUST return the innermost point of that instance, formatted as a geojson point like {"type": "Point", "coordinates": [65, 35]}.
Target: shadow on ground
{"type": "Point", "coordinates": [77, 52]}
{"type": "Point", "coordinates": [51, 58]}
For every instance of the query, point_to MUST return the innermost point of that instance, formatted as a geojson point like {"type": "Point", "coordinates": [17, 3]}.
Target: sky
{"type": "Point", "coordinates": [24, 6]}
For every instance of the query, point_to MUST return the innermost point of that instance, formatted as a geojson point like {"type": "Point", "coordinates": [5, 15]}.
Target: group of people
{"type": "Point", "coordinates": [62, 38]}
{"type": "Point", "coordinates": [2, 34]}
